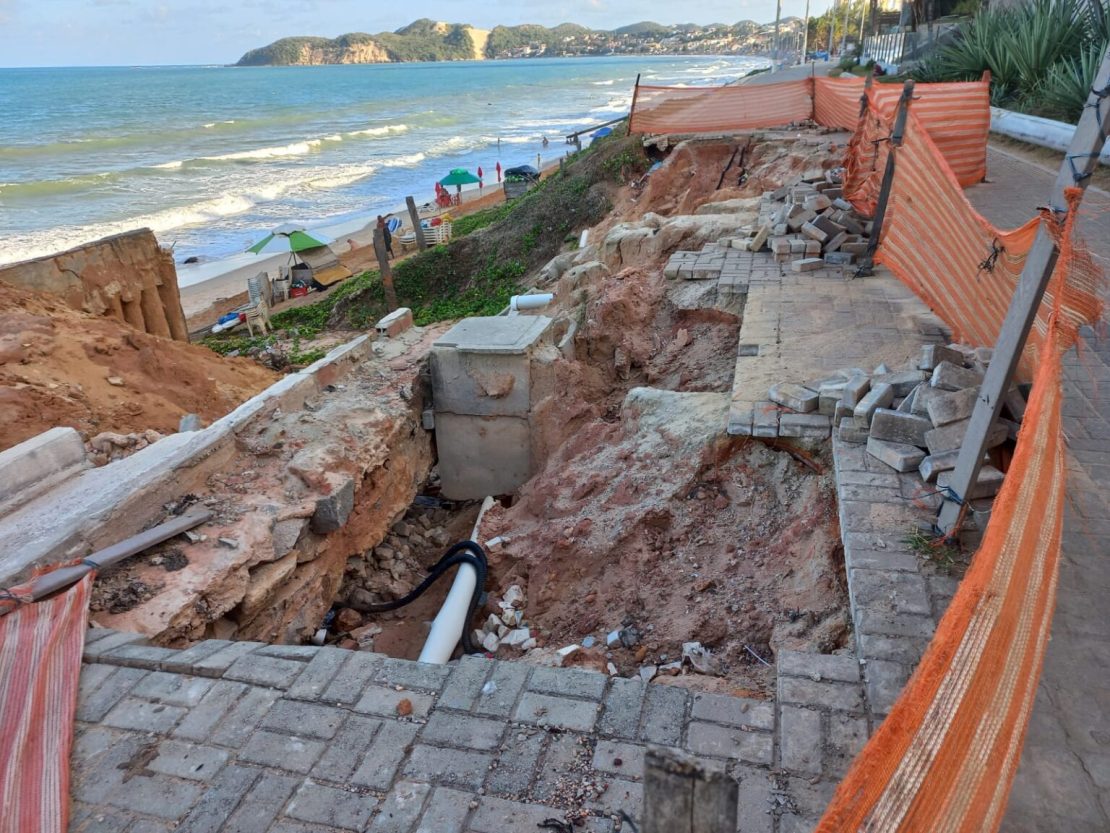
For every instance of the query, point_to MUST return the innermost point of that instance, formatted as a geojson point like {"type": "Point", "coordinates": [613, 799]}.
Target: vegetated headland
{"type": "Point", "coordinates": [429, 40]}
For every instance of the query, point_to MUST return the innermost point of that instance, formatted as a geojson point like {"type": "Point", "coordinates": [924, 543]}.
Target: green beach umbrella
{"type": "Point", "coordinates": [289, 238]}
{"type": "Point", "coordinates": [460, 177]}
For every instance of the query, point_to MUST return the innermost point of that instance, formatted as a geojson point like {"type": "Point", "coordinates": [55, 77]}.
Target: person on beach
{"type": "Point", "coordinates": [545, 142]}
{"type": "Point", "coordinates": [387, 235]}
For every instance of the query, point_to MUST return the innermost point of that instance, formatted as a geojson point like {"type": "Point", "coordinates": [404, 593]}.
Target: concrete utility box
{"type": "Point", "coordinates": [486, 375]}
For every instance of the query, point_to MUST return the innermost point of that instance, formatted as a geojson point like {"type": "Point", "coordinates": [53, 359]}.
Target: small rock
{"type": "Point", "coordinates": [612, 669]}
{"type": "Point", "coordinates": [630, 636]}
{"type": "Point", "coordinates": [116, 381]}
{"type": "Point", "coordinates": [502, 631]}
{"type": "Point", "coordinates": [404, 707]}
{"type": "Point", "coordinates": [613, 638]}
{"type": "Point", "coordinates": [194, 537]}
{"type": "Point", "coordinates": [230, 543]}
{"type": "Point", "coordinates": [699, 657]}
{"type": "Point", "coordinates": [188, 422]}
{"type": "Point", "coordinates": [516, 638]}
{"type": "Point", "coordinates": [566, 653]}
{"type": "Point", "coordinates": [492, 624]}
{"type": "Point", "coordinates": [347, 620]}
{"type": "Point", "coordinates": [514, 596]}
{"type": "Point", "coordinates": [648, 672]}
{"type": "Point", "coordinates": [491, 642]}
{"type": "Point", "coordinates": [528, 644]}
{"type": "Point", "coordinates": [589, 642]}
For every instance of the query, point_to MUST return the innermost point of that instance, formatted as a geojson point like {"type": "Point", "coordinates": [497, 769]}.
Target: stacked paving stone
{"type": "Point", "coordinates": [810, 225]}
{"type": "Point", "coordinates": [718, 261]}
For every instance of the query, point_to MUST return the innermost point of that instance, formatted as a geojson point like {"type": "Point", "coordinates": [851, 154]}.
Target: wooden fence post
{"type": "Point", "coordinates": [680, 796]}
{"type": "Point", "coordinates": [421, 243]}
{"type": "Point", "coordinates": [385, 269]}
{"type": "Point", "coordinates": [1075, 171]}
{"type": "Point", "coordinates": [868, 261]}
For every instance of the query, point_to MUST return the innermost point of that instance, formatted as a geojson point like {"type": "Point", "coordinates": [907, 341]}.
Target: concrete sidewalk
{"type": "Point", "coordinates": [1064, 779]}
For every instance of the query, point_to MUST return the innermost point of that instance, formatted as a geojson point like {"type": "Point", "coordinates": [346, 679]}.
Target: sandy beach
{"type": "Point", "coordinates": [210, 289]}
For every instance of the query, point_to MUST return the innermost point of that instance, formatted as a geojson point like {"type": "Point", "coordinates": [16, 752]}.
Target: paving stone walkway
{"type": "Point", "coordinates": [243, 737]}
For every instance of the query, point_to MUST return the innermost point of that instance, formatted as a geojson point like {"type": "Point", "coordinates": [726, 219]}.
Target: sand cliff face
{"type": "Point", "coordinates": [358, 53]}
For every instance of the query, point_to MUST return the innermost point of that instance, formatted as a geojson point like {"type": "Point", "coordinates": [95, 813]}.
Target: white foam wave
{"type": "Point", "coordinates": [169, 166]}
{"type": "Point", "coordinates": [385, 130]}
{"type": "Point", "coordinates": [602, 83]}
{"type": "Point", "coordinates": [293, 149]}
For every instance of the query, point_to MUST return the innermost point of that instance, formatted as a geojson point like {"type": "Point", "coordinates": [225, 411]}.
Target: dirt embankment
{"type": "Point", "coordinates": [59, 366]}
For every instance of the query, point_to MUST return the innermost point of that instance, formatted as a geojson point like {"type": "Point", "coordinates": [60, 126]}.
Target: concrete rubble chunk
{"type": "Point", "coordinates": [952, 407]}
{"type": "Point", "coordinates": [951, 436]}
{"type": "Point", "coordinates": [881, 395]}
{"type": "Point", "coordinates": [794, 397]}
{"type": "Point", "coordinates": [333, 510]}
{"type": "Point", "coordinates": [934, 354]}
{"type": "Point", "coordinates": [948, 376]}
{"type": "Point", "coordinates": [902, 381]}
{"type": "Point", "coordinates": [35, 464]}
{"type": "Point", "coordinates": [899, 427]}
{"type": "Point", "coordinates": [987, 483]}
{"type": "Point", "coordinates": [395, 323]}
{"type": "Point", "coordinates": [898, 456]}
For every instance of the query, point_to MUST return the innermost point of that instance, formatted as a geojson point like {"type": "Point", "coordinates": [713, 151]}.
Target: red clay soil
{"type": "Point", "coordinates": [56, 362]}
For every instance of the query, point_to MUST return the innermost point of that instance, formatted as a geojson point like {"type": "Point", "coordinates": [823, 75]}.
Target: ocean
{"type": "Point", "coordinates": [212, 157]}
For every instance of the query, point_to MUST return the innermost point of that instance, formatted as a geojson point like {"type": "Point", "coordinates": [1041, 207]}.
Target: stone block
{"type": "Point", "coordinates": [309, 720]}
{"type": "Point", "coordinates": [558, 712]}
{"type": "Point", "coordinates": [292, 754]}
{"type": "Point", "coordinates": [951, 436]}
{"type": "Point", "coordinates": [805, 425]}
{"type": "Point", "coordinates": [885, 680]}
{"type": "Point", "coordinates": [987, 483]}
{"type": "Point", "coordinates": [756, 244]}
{"type": "Point", "coordinates": [814, 233]}
{"type": "Point", "coordinates": [840, 258]}
{"type": "Point", "coordinates": [620, 716]}
{"type": "Point", "coordinates": [401, 808]}
{"type": "Point", "coordinates": [934, 464]}
{"type": "Point", "coordinates": [332, 806]}
{"type": "Point", "coordinates": [262, 670]}
{"type": "Point", "coordinates": [830, 394]}
{"type": "Point", "coordinates": [795, 397]}
{"type": "Point", "coordinates": [899, 427]}
{"type": "Point", "coordinates": [332, 510]}
{"type": "Point", "coordinates": [854, 248]}
{"type": "Point", "coordinates": [733, 711]}
{"type": "Point", "coordinates": [800, 740]}
{"type": "Point", "coordinates": [855, 389]}
{"type": "Point", "coordinates": [902, 381]}
{"type": "Point", "coordinates": [835, 242]}
{"type": "Point", "coordinates": [822, 694]}
{"type": "Point", "coordinates": [780, 246]}
{"type": "Point", "coordinates": [934, 354]}
{"type": "Point", "coordinates": [881, 395]}
{"type": "Point", "coordinates": [386, 753]}
{"type": "Point", "coordinates": [849, 433]}
{"type": "Point", "coordinates": [812, 248]}
{"type": "Point", "coordinates": [1015, 404]}
{"type": "Point", "coordinates": [898, 456]}
{"type": "Point", "coordinates": [395, 323]}
{"type": "Point", "coordinates": [713, 740]}
{"type": "Point", "coordinates": [664, 715]}
{"type": "Point", "coordinates": [451, 767]}
{"type": "Point", "coordinates": [843, 668]}
{"type": "Point", "coordinates": [952, 407]}
{"type": "Point", "coordinates": [949, 376]}
{"type": "Point", "coordinates": [817, 202]}
{"type": "Point", "coordinates": [446, 812]}
{"type": "Point", "coordinates": [765, 420]}
{"type": "Point", "coordinates": [808, 264]}
{"type": "Point", "coordinates": [384, 700]}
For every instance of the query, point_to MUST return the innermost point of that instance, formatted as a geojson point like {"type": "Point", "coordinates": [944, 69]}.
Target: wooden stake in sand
{"type": "Point", "coordinates": [385, 269]}
{"type": "Point", "coordinates": [418, 230]}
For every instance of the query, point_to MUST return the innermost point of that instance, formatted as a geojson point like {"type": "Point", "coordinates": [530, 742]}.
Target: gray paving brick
{"type": "Point", "coordinates": [322, 671]}
{"type": "Point", "coordinates": [718, 741]}
{"type": "Point", "coordinates": [619, 758]}
{"type": "Point", "coordinates": [109, 689]}
{"type": "Point", "coordinates": [90, 741]}
{"type": "Point", "coordinates": [220, 799]}
{"type": "Point", "coordinates": [157, 795]}
{"type": "Point", "coordinates": [446, 811]}
{"type": "Point", "coordinates": [450, 767]}
{"type": "Point", "coordinates": [885, 680]}
{"type": "Point", "coordinates": [321, 804]}
{"type": "Point", "coordinates": [384, 755]}
{"type": "Point", "coordinates": [664, 715]}
{"type": "Point", "coordinates": [846, 737]}
{"type": "Point", "coordinates": [202, 719]}
{"type": "Point", "coordinates": [352, 678]}
{"type": "Point", "coordinates": [411, 674]}
{"type": "Point", "coordinates": [251, 817]}
{"type": "Point", "coordinates": [215, 664]}
{"type": "Point", "coordinates": [274, 788]}
{"type": "Point", "coordinates": [143, 716]}
{"type": "Point", "coordinates": [244, 714]}
{"type": "Point", "coordinates": [85, 818]}
{"type": "Point", "coordinates": [401, 808]}
{"type": "Point", "coordinates": [829, 695]}
{"type": "Point", "coordinates": [560, 712]}
{"type": "Point", "coordinates": [285, 752]}
{"type": "Point", "coordinates": [620, 715]}
{"type": "Point", "coordinates": [172, 689]}
{"type": "Point", "coordinates": [620, 795]}
{"type": "Point", "coordinates": [301, 653]}
{"type": "Point", "coordinates": [571, 682]}
{"type": "Point", "coordinates": [96, 777]}
{"type": "Point", "coordinates": [733, 711]}
{"type": "Point", "coordinates": [345, 750]}
{"type": "Point", "coordinates": [800, 740]}
{"type": "Point", "coordinates": [465, 683]}
{"type": "Point", "coordinates": [753, 798]}
{"type": "Point", "coordinates": [260, 669]}
{"type": "Point", "coordinates": [96, 649]}
{"type": "Point", "coordinates": [383, 700]}
{"type": "Point", "coordinates": [516, 763]}
{"type": "Point", "coordinates": [447, 729]}
{"type": "Point", "coordinates": [138, 655]}
{"type": "Point", "coordinates": [844, 667]}
{"type": "Point", "coordinates": [184, 662]}
{"type": "Point", "coordinates": [293, 826]}
{"type": "Point", "coordinates": [496, 815]}
{"type": "Point", "coordinates": [905, 649]}
{"type": "Point", "coordinates": [188, 760]}
{"type": "Point", "coordinates": [309, 720]}
{"type": "Point", "coordinates": [564, 756]}
{"type": "Point", "coordinates": [500, 692]}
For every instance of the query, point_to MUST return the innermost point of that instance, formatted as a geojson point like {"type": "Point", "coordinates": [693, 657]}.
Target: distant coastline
{"type": "Point", "coordinates": [432, 41]}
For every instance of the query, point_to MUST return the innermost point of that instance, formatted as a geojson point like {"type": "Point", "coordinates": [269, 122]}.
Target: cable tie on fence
{"type": "Point", "coordinates": [991, 259]}
{"type": "Point", "coordinates": [88, 562]}
{"type": "Point", "coordinates": [1076, 176]}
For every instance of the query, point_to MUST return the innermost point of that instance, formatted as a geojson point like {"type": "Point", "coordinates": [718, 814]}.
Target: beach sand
{"type": "Point", "coordinates": [208, 290]}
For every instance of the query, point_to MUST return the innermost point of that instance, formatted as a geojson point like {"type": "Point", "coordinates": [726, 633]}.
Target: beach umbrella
{"type": "Point", "coordinates": [459, 177]}
{"type": "Point", "coordinates": [289, 238]}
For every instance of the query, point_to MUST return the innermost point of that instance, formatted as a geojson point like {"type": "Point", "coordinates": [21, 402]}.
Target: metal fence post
{"type": "Point", "coordinates": [1080, 160]}
{"type": "Point", "coordinates": [866, 266]}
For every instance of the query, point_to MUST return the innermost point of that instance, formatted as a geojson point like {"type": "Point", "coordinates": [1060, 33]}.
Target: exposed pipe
{"type": "Point", "coordinates": [520, 303]}
{"type": "Point", "coordinates": [451, 621]}
{"type": "Point", "coordinates": [1045, 133]}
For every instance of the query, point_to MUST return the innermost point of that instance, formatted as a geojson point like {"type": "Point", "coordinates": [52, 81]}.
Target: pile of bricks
{"type": "Point", "coordinates": [810, 225]}
{"type": "Point", "coordinates": [909, 418]}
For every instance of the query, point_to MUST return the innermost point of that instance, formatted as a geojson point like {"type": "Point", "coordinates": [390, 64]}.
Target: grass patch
{"type": "Point", "coordinates": [944, 556]}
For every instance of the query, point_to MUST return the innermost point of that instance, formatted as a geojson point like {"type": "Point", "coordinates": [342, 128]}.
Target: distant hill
{"type": "Point", "coordinates": [430, 40]}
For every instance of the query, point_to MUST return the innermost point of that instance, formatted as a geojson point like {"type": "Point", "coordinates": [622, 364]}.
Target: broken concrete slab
{"type": "Point", "coordinates": [37, 464]}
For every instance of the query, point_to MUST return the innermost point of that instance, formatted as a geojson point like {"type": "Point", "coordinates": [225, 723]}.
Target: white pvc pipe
{"type": "Point", "coordinates": [1045, 133]}
{"type": "Point", "coordinates": [447, 628]}
{"type": "Point", "coordinates": [519, 303]}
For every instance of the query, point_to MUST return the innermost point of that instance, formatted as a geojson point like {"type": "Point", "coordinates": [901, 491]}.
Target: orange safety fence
{"type": "Point", "coordinates": [719, 109]}
{"type": "Point", "coordinates": [945, 757]}
{"type": "Point", "coordinates": [40, 663]}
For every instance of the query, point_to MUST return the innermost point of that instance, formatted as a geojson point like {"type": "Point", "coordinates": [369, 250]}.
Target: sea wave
{"type": "Point", "coordinates": [384, 130]}
{"type": "Point", "coordinates": [603, 83]}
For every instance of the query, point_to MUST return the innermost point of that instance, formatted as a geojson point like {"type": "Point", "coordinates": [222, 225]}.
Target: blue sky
{"type": "Point", "coordinates": [115, 32]}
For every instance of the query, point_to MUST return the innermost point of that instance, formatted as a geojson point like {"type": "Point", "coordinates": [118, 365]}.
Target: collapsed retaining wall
{"type": "Point", "coordinates": [128, 277]}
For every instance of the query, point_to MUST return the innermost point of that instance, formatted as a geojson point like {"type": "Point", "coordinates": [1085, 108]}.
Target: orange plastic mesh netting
{"type": "Point", "coordinates": [40, 662]}
{"type": "Point", "coordinates": [719, 109]}
{"type": "Point", "coordinates": [945, 757]}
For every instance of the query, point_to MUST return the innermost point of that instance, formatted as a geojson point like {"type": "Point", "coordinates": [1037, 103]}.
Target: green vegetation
{"type": "Point", "coordinates": [422, 40]}
{"type": "Point", "coordinates": [944, 556]}
{"type": "Point", "coordinates": [1042, 55]}
{"type": "Point", "coordinates": [480, 219]}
